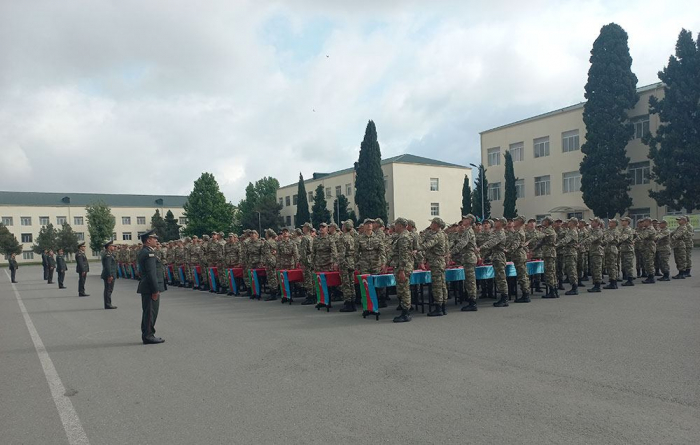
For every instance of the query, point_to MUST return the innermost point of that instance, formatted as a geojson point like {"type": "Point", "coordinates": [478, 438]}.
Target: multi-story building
{"type": "Point", "coordinates": [546, 151]}
{"type": "Point", "coordinates": [416, 188]}
{"type": "Point", "coordinates": [25, 213]}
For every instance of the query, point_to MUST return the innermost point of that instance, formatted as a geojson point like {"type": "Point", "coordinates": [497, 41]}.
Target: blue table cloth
{"type": "Point", "coordinates": [510, 270]}
{"type": "Point", "coordinates": [454, 274]}
{"type": "Point", "coordinates": [388, 280]}
{"type": "Point", "coordinates": [535, 267]}
{"type": "Point", "coordinates": [484, 272]}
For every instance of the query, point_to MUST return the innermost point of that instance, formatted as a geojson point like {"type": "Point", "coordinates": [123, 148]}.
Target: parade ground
{"type": "Point", "coordinates": [616, 367]}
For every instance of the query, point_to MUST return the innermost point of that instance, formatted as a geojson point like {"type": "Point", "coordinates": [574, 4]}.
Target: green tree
{"type": "Point", "coordinates": [340, 205]}
{"type": "Point", "coordinates": [206, 208]}
{"type": "Point", "coordinates": [158, 224]}
{"type": "Point", "coordinates": [466, 197]}
{"type": "Point", "coordinates": [369, 183]}
{"type": "Point", "coordinates": [47, 239]}
{"type": "Point", "coordinates": [100, 224]}
{"type": "Point", "coordinates": [67, 239]}
{"type": "Point", "coordinates": [303, 215]}
{"type": "Point", "coordinates": [172, 228]}
{"type": "Point", "coordinates": [481, 184]}
{"type": "Point", "coordinates": [260, 209]}
{"type": "Point", "coordinates": [319, 212]}
{"type": "Point", "coordinates": [510, 196]}
{"type": "Point", "coordinates": [8, 242]}
{"type": "Point", "coordinates": [611, 92]}
{"type": "Point", "coordinates": [675, 149]}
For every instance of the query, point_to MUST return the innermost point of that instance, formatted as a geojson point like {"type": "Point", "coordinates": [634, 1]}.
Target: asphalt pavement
{"type": "Point", "coordinates": [618, 367]}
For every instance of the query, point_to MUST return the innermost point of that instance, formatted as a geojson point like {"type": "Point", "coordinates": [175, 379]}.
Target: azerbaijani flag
{"type": "Point", "coordinates": [181, 274]}
{"type": "Point", "coordinates": [195, 273]}
{"type": "Point", "coordinates": [370, 303]}
{"type": "Point", "coordinates": [322, 289]}
{"type": "Point", "coordinates": [232, 281]}
{"type": "Point", "coordinates": [254, 282]}
{"type": "Point", "coordinates": [213, 272]}
{"type": "Point", "coordinates": [285, 290]}
{"type": "Point", "coordinates": [170, 274]}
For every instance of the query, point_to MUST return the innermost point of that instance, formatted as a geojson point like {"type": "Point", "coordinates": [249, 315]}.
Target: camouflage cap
{"type": "Point", "coordinates": [490, 221]}
{"type": "Point", "coordinates": [402, 221]}
{"type": "Point", "coordinates": [308, 225]}
{"type": "Point", "coordinates": [558, 220]}
{"type": "Point", "coordinates": [231, 234]}
{"type": "Point", "coordinates": [663, 221]}
{"type": "Point", "coordinates": [655, 220]}
{"type": "Point", "coordinates": [503, 221]}
{"type": "Point", "coordinates": [681, 218]}
{"type": "Point", "coordinates": [469, 216]}
{"type": "Point", "coordinates": [221, 234]}
{"type": "Point", "coordinates": [379, 221]}
{"type": "Point", "coordinates": [323, 225]}
{"type": "Point", "coordinates": [626, 218]}
{"type": "Point", "coordinates": [548, 219]}
{"type": "Point", "coordinates": [298, 232]}
{"type": "Point", "coordinates": [612, 220]}
{"type": "Point", "coordinates": [573, 219]}
{"type": "Point", "coordinates": [205, 237]}
{"type": "Point", "coordinates": [532, 220]}
{"type": "Point", "coordinates": [253, 232]}
{"type": "Point", "coordinates": [284, 229]}
{"type": "Point", "coordinates": [646, 218]}
{"type": "Point", "coordinates": [411, 222]}
{"type": "Point", "coordinates": [270, 232]}
{"type": "Point", "coordinates": [348, 224]}
{"type": "Point", "coordinates": [437, 220]}
{"type": "Point", "coordinates": [334, 225]}
{"type": "Point", "coordinates": [519, 218]}
{"type": "Point", "coordinates": [368, 221]}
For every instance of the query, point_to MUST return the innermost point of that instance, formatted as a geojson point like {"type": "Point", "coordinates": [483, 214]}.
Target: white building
{"type": "Point", "coordinates": [25, 213]}
{"type": "Point", "coordinates": [416, 188]}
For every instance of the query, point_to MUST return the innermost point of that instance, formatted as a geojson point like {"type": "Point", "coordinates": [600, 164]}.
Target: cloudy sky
{"type": "Point", "coordinates": [143, 96]}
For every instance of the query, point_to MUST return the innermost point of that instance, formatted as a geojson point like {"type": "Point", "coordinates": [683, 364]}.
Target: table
{"type": "Point", "coordinates": [255, 275]}
{"type": "Point", "coordinates": [286, 277]}
{"type": "Point", "coordinates": [324, 280]}
{"type": "Point", "coordinates": [368, 293]}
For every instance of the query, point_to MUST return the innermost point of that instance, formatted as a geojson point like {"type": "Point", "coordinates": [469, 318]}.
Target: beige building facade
{"type": "Point", "coordinates": [416, 188]}
{"type": "Point", "coordinates": [546, 153]}
{"type": "Point", "coordinates": [25, 213]}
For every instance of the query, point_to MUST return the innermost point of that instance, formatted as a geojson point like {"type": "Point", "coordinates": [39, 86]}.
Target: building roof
{"type": "Point", "coordinates": [643, 89]}
{"type": "Point", "coordinates": [83, 199]}
{"type": "Point", "coordinates": [400, 159]}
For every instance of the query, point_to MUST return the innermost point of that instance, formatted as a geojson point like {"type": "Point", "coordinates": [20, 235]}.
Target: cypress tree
{"type": "Point", "coordinates": [611, 92]}
{"type": "Point", "coordinates": [675, 149]}
{"type": "Point", "coordinates": [158, 223]}
{"type": "Point", "coordinates": [302, 215]}
{"type": "Point", "coordinates": [319, 211]}
{"type": "Point", "coordinates": [509, 198]}
{"type": "Point", "coordinates": [369, 183]}
{"type": "Point", "coordinates": [466, 196]}
{"type": "Point", "coordinates": [477, 198]}
{"type": "Point", "coordinates": [172, 228]}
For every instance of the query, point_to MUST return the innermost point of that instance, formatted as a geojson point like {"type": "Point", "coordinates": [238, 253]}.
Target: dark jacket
{"type": "Point", "coordinates": [50, 261]}
{"type": "Point", "coordinates": [82, 264]}
{"type": "Point", "coordinates": [61, 263]}
{"type": "Point", "coordinates": [13, 264]}
{"type": "Point", "coordinates": [109, 266]}
{"type": "Point", "coordinates": [152, 279]}
{"type": "Point", "coordinates": [44, 261]}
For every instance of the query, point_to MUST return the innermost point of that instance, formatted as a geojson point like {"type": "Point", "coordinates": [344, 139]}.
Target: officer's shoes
{"type": "Point", "coordinates": [403, 318]}
{"type": "Point", "coordinates": [595, 288]}
{"type": "Point", "coordinates": [629, 282]}
{"type": "Point", "coordinates": [437, 312]}
{"type": "Point", "coordinates": [471, 307]}
{"type": "Point", "coordinates": [152, 340]}
{"type": "Point", "coordinates": [83, 295]}
{"type": "Point", "coordinates": [382, 303]}
{"type": "Point", "coordinates": [110, 307]}
{"type": "Point", "coordinates": [665, 277]}
{"type": "Point", "coordinates": [680, 276]}
{"type": "Point", "coordinates": [348, 306]}
{"type": "Point", "coordinates": [308, 301]}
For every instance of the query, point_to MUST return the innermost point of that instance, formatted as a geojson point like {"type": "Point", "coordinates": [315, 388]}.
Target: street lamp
{"type": "Point", "coordinates": [482, 190]}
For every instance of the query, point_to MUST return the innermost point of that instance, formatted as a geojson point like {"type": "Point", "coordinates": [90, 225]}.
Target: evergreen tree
{"type": "Point", "coordinates": [172, 228]}
{"type": "Point", "coordinates": [8, 242]}
{"type": "Point", "coordinates": [303, 215]}
{"type": "Point", "coordinates": [477, 199]}
{"type": "Point", "coordinates": [611, 92]}
{"type": "Point", "coordinates": [466, 197]}
{"type": "Point", "coordinates": [100, 224]}
{"type": "Point", "coordinates": [206, 208]}
{"type": "Point", "coordinates": [47, 239]}
{"type": "Point", "coordinates": [369, 183]}
{"type": "Point", "coordinates": [319, 211]}
{"type": "Point", "coordinates": [509, 198]}
{"type": "Point", "coordinates": [260, 209]}
{"type": "Point", "coordinates": [675, 149]}
{"type": "Point", "coordinates": [158, 224]}
{"type": "Point", "coordinates": [340, 204]}
{"type": "Point", "coordinates": [67, 239]}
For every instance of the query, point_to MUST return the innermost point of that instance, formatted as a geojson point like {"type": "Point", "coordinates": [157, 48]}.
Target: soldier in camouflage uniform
{"type": "Point", "coordinates": [518, 252]}
{"type": "Point", "coordinates": [569, 243]}
{"type": "Point", "coordinates": [638, 251]}
{"type": "Point", "coordinates": [678, 245]}
{"type": "Point", "coordinates": [596, 241]}
{"type": "Point", "coordinates": [611, 239]}
{"type": "Point", "coordinates": [663, 250]}
{"type": "Point", "coordinates": [401, 258]}
{"type": "Point", "coordinates": [270, 262]}
{"type": "Point", "coordinates": [466, 249]}
{"type": "Point", "coordinates": [435, 249]}
{"type": "Point", "coordinates": [560, 230]}
{"type": "Point", "coordinates": [213, 254]}
{"type": "Point", "coordinates": [418, 259]}
{"type": "Point", "coordinates": [370, 255]}
{"type": "Point", "coordinates": [626, 238]}
{"type": "Point", "coordinates": [324, 255]}
{"type": "Point", "coordinates": [583, 248]}
{"type": "Point", "coordinates": [346, 255]}
{"type": "Point", "coordinates": [688, 239]}
{"type": "Point", "coordinates": [532, 238]}
{"type": "Point", "coordinates": [253, 256]}
{"type": "Point", "coordinates": [647, 235]}
{"type": "Point", "coordinates": [494, 249]}
{"type": "Point", "coordinates": [547, 245]}
{"type": "Point", "coordinates": [204, 262]}
{"type": "Point", "coordinates": [305, 250]}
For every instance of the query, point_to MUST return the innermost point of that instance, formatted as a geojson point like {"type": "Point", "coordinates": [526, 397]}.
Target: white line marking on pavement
{"type": "Point", "coordinates": [69, 418]}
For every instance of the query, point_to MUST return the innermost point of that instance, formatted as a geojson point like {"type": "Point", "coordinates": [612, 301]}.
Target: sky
{"type": "Point", "coordinates": [136, 96]}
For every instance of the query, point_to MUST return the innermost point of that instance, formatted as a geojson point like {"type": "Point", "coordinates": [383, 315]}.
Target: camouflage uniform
{"type": "Point", "coordinates": [518, 254]}
{"type": "Point", "coordinates": [548, 244]}
{"type": "Point", "coordinates": [663, 251]}
{"type": "Point", "coordinates": [626, 237]}
{"type": "Point", "coordinates": [648, 249]}
{"type": "Point", "coordinates": [324, 253]}
{"type": "Point", "coordinates": [305, 250]}
{"type": "Point", "coordinates": [611, 253]}
{"type": "Point", "coordinates": [269, 252]}
{"type": "Point", "coordinates": [346, 253]}
{"type": "Point", "coordinates": [583, 249]}
{"type": "Point", "coordinates": [569, 244]}
{"type": "Point", "coordinates": [688, 239]}
{"type": "Point", "coordinates": [465, 247]}
{"type": "Point", "coordinates": [493, 249]}
{"type": "Point", "coordinates": [287, 254]}
{"type": "Point", "coordinates": [435, 249]}
{"type": "Point", "coordinates": [597, 251]}
{"type": "Point", "coordinates": [401, 258]}
{"type": "Point", "coordinates": [678, 245]}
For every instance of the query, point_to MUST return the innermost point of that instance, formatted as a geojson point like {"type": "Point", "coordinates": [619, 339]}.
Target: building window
{"type": "Point", "coordinates": [141, 220]}
{"type": "Point", "coordinates": [289, 220]}
{"type": "Point", "coordinates": [520, 188]}
{"type": "Point", "coordinates": [295, 199]}
{"type": "Point", "coordinates": [516, 151]}
{"type": "Point", "coordinates": [328, 192]}
{"type": "Point", "coordinates": [494, 191]}
{"type": "Point", "coordinates": [43, 220]}
{"type": "Point", "coordinates": [61, 220]}
{"type": "Point", "coordinates": [571, 182]}
{"type": "Point", "coordinates": [348, 189]}
{"type": "Point", "coordinates": [310, 197]}
{"type": "Point", "coordinates": [569, 141]}
{"type": "Point", "coordinates": [434, 184]}
{"type": "Point", "coordinates": [126, 220]}
{"type": "Point", "coordinates": [80, 235]}
{"type": "Point", "coordinates": [27, 238]}
{"type": "Point", "coordinates": [281, 202]}
{"type": "Point", "coordinates": [434, 209]}
{"type": "Point", "coordinates": [541, 147]}
{"type": "Point", "coordinates": [577, 215]}
{"type": "Point", "coordinates": [78, 221]}
{"type": "Point", "coordinates": [28, 255]}
{"type": "Point", "coordinates": [638, 173]}
{"type": "Point", "coordinates": [25, 220]}
{"type": "Point", "coordinates": [6, 221]}
{"type": "Point", "coordinates": [494, 156]}
{"type": "Point", "coordinates": [139, 234]}
{"type": "Point", "coordinates": [639, 214]}
{"type": "Point", "coordinates": [182, 221]}
{"type": "Point", "coordinates": [338, 190]}
{"type": "Point", "coordinates": [126, 236]}
{"type": "Point", "coordinates": [641, 126]}
{"type": "Point", "coordinates": [287, 201]}
{"type": "Point", "coordinates": [542, 185]}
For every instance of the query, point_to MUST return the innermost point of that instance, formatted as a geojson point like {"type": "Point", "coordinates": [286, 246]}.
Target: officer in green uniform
{"type": "Point", "coordinates": [13, 268]}
{"type": "Point", "coordinates": [109, 273]}
{"type": "Point", "coordinates": [61, 268]}
{"type": "Point", "coordinates": [82, 267]}
{"type": "Point", "coordinates": [151, 284]}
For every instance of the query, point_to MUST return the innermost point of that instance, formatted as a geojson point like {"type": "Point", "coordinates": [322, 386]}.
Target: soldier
{"type": "Point", "coordinates": [548, 246]}
{"type": "Point", "coordinates": [663, 250]}
{"type": "Point", "coordinates": [287, 252]}
{"type": "Point", "coordinates": [346, 255]}
{"type": "Point", "coordinates": [626, 238]}
{"type": "Point", "coordinates": [13, 267]}
{"type": "Point", "coordinates": [583, 247]}
{"type": "Point", "coordinates": [418, 260]}
{"type": "Point", "coordinates": [560, 231]}
{"type": "Point", "coordinates": [466, 249]}
{"type": "Point", "coordinates": [370, 255]}
{"type": "Point", "coordinates": [532, 238]}
{"type": "Point", "coordinates": [402, 259]}
{"type": "Point", "coordinates": [324, 255]}
{"type": "Point", "coordinates": [50, 265]}
{"type": "Point", "coordinates": [647, 235]}
{"type": "Point", "coordinates": [61, 268]}
{"type": "Point", "coordinates": [569, 244]}
{"type": "Point", "coordinates": [45, 263]}
{"type": "Point", "coordinates": [305, 250]}
{"type": "Point", "coordinates": [678, 245]}
{"type": "Point", "coordinates": [270, 261]}
{"type": "Point", "coordinates": [518, 251]}
{"type": "Point", "coordinates": [494, 249]}
{"type": "Point", "coordinates": [688, 239]}
{"type": "Point", "coordinates": [82, 267]}
{"type": "Point", "coordinates": [151, 284]}
{"type": "Point", "coordinates": [109, 273]}
{"type": "Point", "coordinates": [253, 257]}
{"type": "Point", "coordinates": [204, 262]}
{"type": "Point", "coordinates": [638, 248]}
{"type": "Point", "coordinates": [611, 253]}
{"type": "Point", "coordinates": [596, 241]}
{"type": "Point", "coordinates": [435, 250]}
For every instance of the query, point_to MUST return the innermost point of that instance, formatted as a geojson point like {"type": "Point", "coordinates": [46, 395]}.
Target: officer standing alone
{"type": "Point", "coordinates": [109, 273]}
{"type": "Point", "coordinates": [151, 284]}
{"type": "Point", "coordinates": [82, 267]}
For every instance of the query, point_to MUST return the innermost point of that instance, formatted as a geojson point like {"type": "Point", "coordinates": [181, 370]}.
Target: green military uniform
{"type": "Point", "coordinates": [435, 250]}
{"type": "Point", "coordinates": [346, 254]}
{"type": "Point", "coordinates": [108, 275]}
{"type": "Point", "coordinates": [569, 243]}
{"type": "Point", "coordinates": [611, 239]}
{"type": "Point", "coordinates": [305, 250]}
{"type": "Point", "coordinates": [270, 260]}
{"type": "Point", "coordinates": [663, 251]}
{"type": "Point", "coordinates": [401, 257]}
{"type": "Point", "coordinates": [61, 268]}
{"type": "Point", "coordinates": [82, 267]}
{"type": "Point", "coordinates": [678, 246]}
{"type": "Point", "coordinates": [151, 284]}
{"type": "Point", "coordinates": [466, 248]}
{"type": "Point", "coordinates": [596, 242]}
{"type": "Point", "coordinates": [626, 240]}
{"type": "Point", "coordinates": [647, 235]}
{"type": "Point", "coordinates": [370, 256]}
{"type": "Point", "coordinates": [494, 249]}
{"type": "Point", "coordinates": [548, 246]}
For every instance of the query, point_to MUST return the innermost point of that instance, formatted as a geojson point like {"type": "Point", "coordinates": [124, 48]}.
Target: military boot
{"type": "Point", "coordinates": [680, 276]}
{"type": "Point", "coordinates": [560, 286]}
{"type": "Point", "coordinates": [580, 284]}
{"type": "Point", "coordinates": [665, 277]}
{"type": "Point", "coordinates": [595, 288]}
{"type": "Point", "coordinates": [687, 273]}
{"type": "Point", "coordinates": [573, 291]}
{"type": "Point", "coordinates": [309, 300]}
{"type": "Point", "coordinates": [629, 282]}
{"type": "Point", "coordinates": [503, 302]}
{"type": "Point", "coordinates": [650, 279]}
{"type": "Point", "coordinates": [348, 306]}
{"type": "Point", "coordinates": [470, 307]}
{"type": "Point", "coordinates": [524, 299]}
{"type": "Point", "coordinates": [611, 285]}
{"type": "Point", "coordinates": [436, 312]}
{"type": "Point", "coordinates": [549, 293]}
{"type": "Point", "coordinates": [404, 317]}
